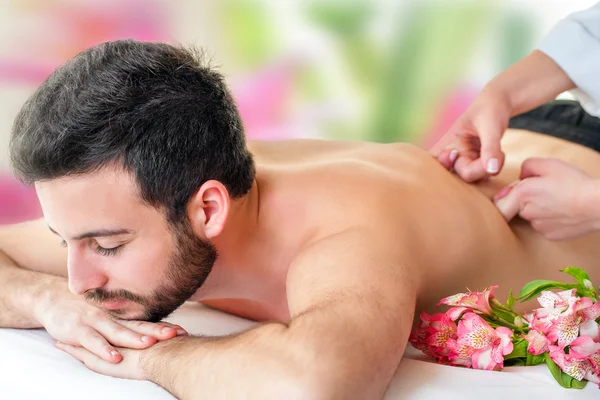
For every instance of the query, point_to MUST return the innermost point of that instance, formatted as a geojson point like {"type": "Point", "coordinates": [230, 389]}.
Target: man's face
{"type": "Point", "coordinates": [123, 255]}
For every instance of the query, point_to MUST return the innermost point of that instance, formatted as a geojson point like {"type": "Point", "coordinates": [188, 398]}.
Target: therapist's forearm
{"type": "Point", "coordinates": [20, 292]}
{"type": "Point", "coordinates": [258, 364]}
{"type": "Point", "coordinates": [531, 82]}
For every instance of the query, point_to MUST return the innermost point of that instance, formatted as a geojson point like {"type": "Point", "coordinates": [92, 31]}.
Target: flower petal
{"type": "Point", "coordinates": [538, 343]}
{"type": "Point", "coordinates": [548, 299]}
{"type": "Point", "coordinates": [590, 328]}
{"type": "Point", "coordinates": [564, 330]}
{"type": "Point", "coordinates": [455, 312]}
{"type": "Point", "coordinates": [572, 367]}
{"type": "Point", "coordinates": [482, 359]}
{"type": "Point", "coordinates": [473, 331]}
{"type": "Point", "coordinates": [592, 312]}
{"type": "Point", "coordinates": [583, 347]}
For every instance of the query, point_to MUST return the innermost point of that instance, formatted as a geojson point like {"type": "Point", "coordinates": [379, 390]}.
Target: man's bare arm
{"type": "Point", "coordinates": [352, 304]}
{"type": "Point", "coordinates": [24, 249]}
{"type": "Point", "coordinates": [22, 291]}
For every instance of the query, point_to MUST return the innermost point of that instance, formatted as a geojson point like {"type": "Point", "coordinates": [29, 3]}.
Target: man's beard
{"type": "Point", "coordinates": [190, 264]}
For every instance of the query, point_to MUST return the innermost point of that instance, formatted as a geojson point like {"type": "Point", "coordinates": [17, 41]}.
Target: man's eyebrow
{"type": "Point", "coordinates": [97, 233]}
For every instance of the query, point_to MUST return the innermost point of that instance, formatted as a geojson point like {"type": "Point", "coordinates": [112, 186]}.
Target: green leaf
{"type": "Point", "coordinates": [577, 273]}
{"type": "Point", "coordinates": [519, 350]}
{"type": "Point", "coordinates": [535, 360]}
{"type": "Point", "coordinates": [506, 316]}
{"type": "Point", "coordinates": [563, 379]}
{"type": "Point", "coordinates": [536, 287]}
{"type": "Point", "coordinates": [555, 370]}
{"type": "Point", "coordinates": [511, 300]}
{"type": "Point", "coordinates": [533, 286]}
{"type": "Point", "coordinates": [575, 384]}
{"type": "Point", "coordinates": [567, 380]}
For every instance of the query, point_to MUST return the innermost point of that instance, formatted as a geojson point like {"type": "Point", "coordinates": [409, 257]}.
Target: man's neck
{"type": "Point", "coordinates": [235, 246]}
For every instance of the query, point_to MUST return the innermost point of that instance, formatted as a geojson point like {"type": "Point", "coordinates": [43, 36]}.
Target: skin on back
{"type": "Point", "coordinates": [468, 243]}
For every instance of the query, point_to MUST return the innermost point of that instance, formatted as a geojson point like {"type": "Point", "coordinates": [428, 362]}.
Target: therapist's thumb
{"type": "Point", "coordinates": [538, 166]}
{"type": "Point", "coordinates": [491, 152]}
{"type": "Point", "coordinates": [508, 201]}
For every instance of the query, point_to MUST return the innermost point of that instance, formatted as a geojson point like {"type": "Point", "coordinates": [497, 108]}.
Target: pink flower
{"type": "Point", "coordinates": [489, 346]}
{"type": "Point", "coordinates": [583, 360]}
{"type": "Point", "coordinates": [560, 300]}
{"type": "Point", "coordinates": [478, 302]}
{"type": "Point", "coordinates": [583, 347]}
{"type": "Point", "coordinates": [418, 337]}
{"type": "Point", "coordinates": [554, 304]}
{"type": "Point", "coordinates": [432, 335]}
{"type": "Point", "coordinates": [593, 311]}
{"type": "Point", "coordinates": [566, 327]}
{"type": "Point", "coordinates": [537, 342]}
{"type": "Point", "coordinates": [460, 354]}
{"type": "Point", "coordinates": [574, 367]}
{"type": "Point", "coordinates": [537, 323]}
{"type": "Point", "coordinates": [595, 361]}
{"type": "Point", "coordinates": [441, 329]}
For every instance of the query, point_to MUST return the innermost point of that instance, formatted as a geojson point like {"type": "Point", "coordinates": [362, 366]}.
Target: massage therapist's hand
{"type": "Point", "coordinates": [472, 145]}
{"type": "Point", "coordinates": [70, 319]}
{"type": "Point", "coordinates": [560, 200]}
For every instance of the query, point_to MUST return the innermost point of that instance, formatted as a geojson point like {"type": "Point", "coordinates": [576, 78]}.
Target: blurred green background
{"type": "Point", "coordinates": [376, 70]}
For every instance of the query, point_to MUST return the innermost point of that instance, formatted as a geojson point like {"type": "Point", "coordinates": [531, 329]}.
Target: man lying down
{"type": "Point", "coordinates": [151, 197]}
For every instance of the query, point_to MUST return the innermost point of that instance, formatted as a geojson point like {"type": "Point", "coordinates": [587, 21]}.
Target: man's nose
{"type": "Point", "coordinates": [84, 276]}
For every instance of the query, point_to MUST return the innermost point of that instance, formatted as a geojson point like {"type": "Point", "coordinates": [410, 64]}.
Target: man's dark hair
{"type": "Point", "coordinates": [156, 110]}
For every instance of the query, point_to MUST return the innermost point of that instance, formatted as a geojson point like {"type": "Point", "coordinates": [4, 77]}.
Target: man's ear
{"type": "Point", "coordinates": [208, 209]}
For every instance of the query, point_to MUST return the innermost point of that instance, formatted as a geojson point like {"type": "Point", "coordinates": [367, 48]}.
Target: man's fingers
{"type": "Point", "coordinates": [160, 331]}
{"type": "Point", "coordinates": [79, 353]}
{"type": "Point", "coordinates": [97, 344]}
{"type": "Point", "coordinates": [91, 361]}
{"type": "Point", "coordinates": [123, 336]}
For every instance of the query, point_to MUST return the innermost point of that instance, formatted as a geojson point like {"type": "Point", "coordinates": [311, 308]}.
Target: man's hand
{"type": "Point", "coordinates": [70, 319]}
{"type": "Point", "coordinates": [129, 368]}
{"type": "Point", "coordinates": [560, 200]}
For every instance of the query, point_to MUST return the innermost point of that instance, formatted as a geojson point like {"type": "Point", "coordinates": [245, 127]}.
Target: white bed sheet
{"type": "Point", "coordinates": [32, 368]}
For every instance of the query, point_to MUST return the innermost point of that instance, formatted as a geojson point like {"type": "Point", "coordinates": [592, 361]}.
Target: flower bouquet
{"type": "Point", "coordinates": [480, 332]}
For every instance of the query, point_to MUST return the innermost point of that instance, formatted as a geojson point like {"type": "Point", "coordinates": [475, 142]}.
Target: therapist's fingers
{"type": "Point", "coordinates": [538, 166]}
{"type": "Point", "coordinates": [508, 201]}
{"type": "Point", "coordinates": [492, 157]}
{"type": "Point", "coordinates": [447, 158]}
{"type": "Point", "coordinates": [469, 169]}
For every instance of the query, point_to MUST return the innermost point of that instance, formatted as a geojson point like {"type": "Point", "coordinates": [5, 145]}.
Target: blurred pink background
{"type": "Point", "coordinates": [376, 70]}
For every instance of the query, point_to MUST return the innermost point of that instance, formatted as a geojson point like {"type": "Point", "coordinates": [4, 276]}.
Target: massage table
{"type": "Point", "coordinates": [32, 368]}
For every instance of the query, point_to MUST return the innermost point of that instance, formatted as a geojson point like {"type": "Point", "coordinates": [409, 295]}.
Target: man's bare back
{"type": "Point", "coordinates": [310, 188]}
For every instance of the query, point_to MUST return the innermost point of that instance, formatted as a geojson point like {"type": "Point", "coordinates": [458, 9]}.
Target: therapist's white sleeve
{"type": "Point", "coordinates": [574, 44]}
